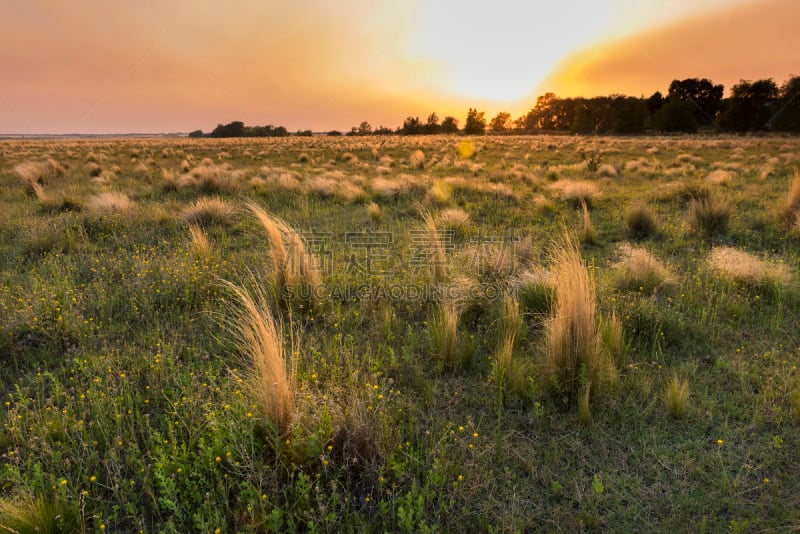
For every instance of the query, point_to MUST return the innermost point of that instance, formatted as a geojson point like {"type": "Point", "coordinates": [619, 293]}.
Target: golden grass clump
{"type": "Point", "coordinates": [747, 269]}
{"type": "Point", "coordinates": [110, 202]}
{"type": "Point", "coordinates": [638, 269]}
{"type": "Point", "coordinates": [417, 159]}
{"type": "Point", "coordinates": [588, 234]}
{"type": "Point", "coordinates": [374, 212]}
{"type": "Point", "coordinates": [93, 169]}
{"type": "Point", "coordinates": [296, 270]}
{"type": "Point", "coordinates": [444, 333]}
{"type": "Point", "coordinates": [676, 396]}
{"type": "Point", "coordinates": [720, 177]}
{"type": "Point", "coordinates": [199, 244]}
{"type": "Point", "coordinates": [392, 188]}
{"type": "Point", "coordinates": [790, 213]}
{"type": "Point", "coordinates": [272, 369]}
{"type": "Point", "coordinates": [454, 219]}
{"type": "Point", "coordinates": [576, 192]}
{"type": "Point", "coordinates": [607, 170]}
{"type": "Point", "coordinates": [612, 337]}
{"type": "Point", "coordinates": [709, 217]}
{"type": "Point", "coordinates": [439, 193]}
{"type": "Point", "coordinates": [206, 211]}
{"type": "Point", "coordinates": [509, 374]}
{"type": "Point", "coordinates": [575, 365]}
{"type": "Point", "coordinates": [212, 178]}
{"type": "Point", "coordinates": [38, 172]}
{"type": "Point", "coordinates": [640, 223]}
{"type": "Point", "coordinates": [170, 183]}
{"type": "Point", "coordinates": [28, 514]}
{"type": "Point", "coordinates": [438, 259]}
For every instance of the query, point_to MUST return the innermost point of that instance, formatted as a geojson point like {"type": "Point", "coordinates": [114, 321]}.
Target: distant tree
{"type": "Point", "coordinates": [787, 116]}
{"type": "Point", "coordinates": [501, 122]}
{"type": "Point", "coordinates": [412, 126]}
{"type": "Point", "coordinates": [196, 134]}
{"type": "Point", "coordinates": [583, 119]}
{"type": "Point", "coordinates": [304, 133]}
{"type": "Point", "coordinates": [232, 129]}
{"type": "Point", "coordinates": [334, 133]}
{"type": "Point", "coordinates": [655, 102]}
{"type": "Point", "coordinates": [364, 128]}
{"type": "Point", "coordinates": [704, 96]}
{"type": "Point", "coordinates": [449, 125]}
{"type": "Point", "coordinates": [432, 125]}
{"type": "Point", "coordinates": [475, 123]}
{"type": "Point", "coordinates": [675, 116]}
{"type": "Point", "coordinates": [545, 113]}
{"type": "Point", "coordinates": [630, 115]}
{"type": "Point", "coordinates": [280, 131]}
{"type": "Point", "coordinates": [750, 107]}
{"type": "Point", "coordinates": [383, 130]}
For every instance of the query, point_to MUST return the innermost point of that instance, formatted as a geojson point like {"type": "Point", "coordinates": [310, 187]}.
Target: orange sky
{"type": "Point", "coordinates": [96, 66]}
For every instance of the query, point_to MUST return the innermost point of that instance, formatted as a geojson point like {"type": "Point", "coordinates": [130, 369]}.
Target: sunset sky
{"type": "Point", "coordinates": [95, 66]}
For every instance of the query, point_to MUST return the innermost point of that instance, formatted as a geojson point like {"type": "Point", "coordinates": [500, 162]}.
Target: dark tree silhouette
{"type": "Point", "coordinates": [432, 125]}
{"type": "Point", "coordinates": [787, 115]}
{"type": "Point", "coordinates": [501, 122]}
{"type": "Point", "coordinates": [412, 126]}
{"type": "Point", "coordinates": [449, 125]}
{"type": "Point", "coordinates": [704, 96]}
{"type": "Point", "coordinates": [751, 106]}
{"type": "Point", "coordinates": [476, 122]}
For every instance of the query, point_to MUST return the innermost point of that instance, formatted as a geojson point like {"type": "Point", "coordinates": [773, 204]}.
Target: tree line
{"type": "Point", "coordinates": [690, 105]}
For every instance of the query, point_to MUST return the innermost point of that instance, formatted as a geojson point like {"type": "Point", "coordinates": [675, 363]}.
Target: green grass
{"type": "Point", "coordinates": [128, 401]}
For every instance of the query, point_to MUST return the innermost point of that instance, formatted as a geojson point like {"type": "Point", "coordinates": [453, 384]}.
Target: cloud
{"type": "Point", "coordinates": [159, 65]}
{"type": "Point", "coordinates": [757, 40]}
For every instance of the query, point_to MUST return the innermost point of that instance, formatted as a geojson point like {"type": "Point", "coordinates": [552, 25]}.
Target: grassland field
{"type": "Point", "coordinates": [499, 334]}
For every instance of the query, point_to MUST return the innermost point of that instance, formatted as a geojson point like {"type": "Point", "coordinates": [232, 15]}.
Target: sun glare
{"type": "Point", "coordinates": [501, 50]}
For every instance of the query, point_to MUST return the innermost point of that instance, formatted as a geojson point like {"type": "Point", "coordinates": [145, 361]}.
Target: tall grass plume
{"type": "Point", "coordinates": [574, 361]}
{"type": "Point", "coordinates": [272, 369]}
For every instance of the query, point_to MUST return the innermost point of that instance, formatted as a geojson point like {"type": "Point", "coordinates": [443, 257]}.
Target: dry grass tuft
{"type": "Point", "coordinates": [588, 234]}
{"type": "Point", "coordinates": [37, 172]}
{"type": "Point", "coordinates": [271, 371]}
{"type": "Point", "coordinates": [575, 365]}
{"type": "Point", "coordinates": [296, 270]}
{"type": "Point", "coordinates": [607, 170]}
{"type": "Point", "coordinates": [639, 270]}
{"type": "Point", "coordinates": [747, 269]}
{"type": "Point", "coordinates": [505, 370]}
{"type": "Point", "coordinates": [454, 219]}
{"type": "Point", "coordinates": [211, 178]}
{"type": "Point", "coordinates": [720, 177]}
{"type": "Point", "coordinates": [374, 212]}
{"type": "Point", "coordinates": [709, 217]}
{"type": "Point", "coordinates": [417, 159]}
{"type": "Point", "coordinates": [444, 333]}
{"type": "Point", "coordinates": [439, 193]}
{"type": "Point", "coordinates": [576, 192]}
{"type": "Point", "coordinates": [438, 259]}
{"type": "Point", "coordinates": [170, 183]}
{"type": "Point", "coordinates": [790, 213]}
{"type": "Point", "coordinates": [612, 337]}
{"type": "Point", "coordinates": [110, 202]}
{"type": "Point", "coordinates": [640, 223]}
{"type": "Point", "coordinates": [199, 244]}
{"type": "Point", "coordinates": [26, 514]}
{"type": "Point", "coordinates": [676, 396]}
{"type": "Point", "coordinates": [206, 211]}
